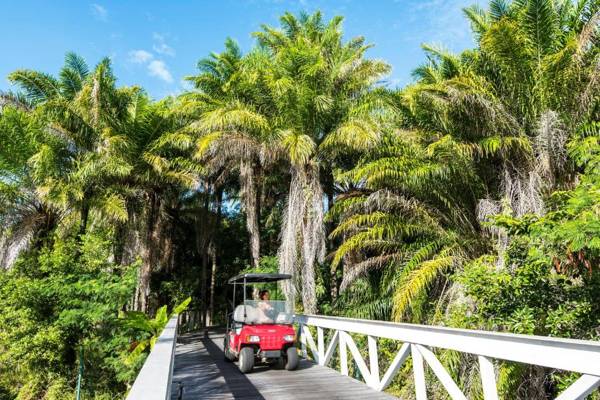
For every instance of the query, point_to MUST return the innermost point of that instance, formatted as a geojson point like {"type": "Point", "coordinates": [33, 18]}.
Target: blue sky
{"type": "Point", "coordinates": [156, 43]}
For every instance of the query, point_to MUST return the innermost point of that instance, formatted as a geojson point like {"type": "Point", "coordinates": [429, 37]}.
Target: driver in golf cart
{"type": "Point", "coordinates": [265, 308]}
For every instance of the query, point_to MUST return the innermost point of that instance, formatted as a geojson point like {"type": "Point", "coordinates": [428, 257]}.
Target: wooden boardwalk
{"type": "Point", "coordinates": [202, 373]}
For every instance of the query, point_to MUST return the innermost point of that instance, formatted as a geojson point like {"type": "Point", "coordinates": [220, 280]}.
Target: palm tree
{"type": "Point", "coordinates": [102, 149]}
{"type": "Point", "coordinates": [159, 173]}
{"type": "Point", "coordinates": [26, 220]}
{"type": "Point", "coordinates": [534, 71]}
{"type": "Point", "coordinates": [325, 102]}
{"type": "Point", "coordinates": [233, 128]}
{"type": "Point", "coordinates": [518, 97]}
{"type": "Point", "coordinates": [76, 154]}
{"type": "Point", "coordinates": [407, 215]}
{"type": "Point", "coordinates": [509, 103]}
{"type": "Point", "coordinates": [50, 104]}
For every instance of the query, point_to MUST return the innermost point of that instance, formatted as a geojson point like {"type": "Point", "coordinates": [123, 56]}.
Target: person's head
{"type": "Point", "coordinates": [263, 295]}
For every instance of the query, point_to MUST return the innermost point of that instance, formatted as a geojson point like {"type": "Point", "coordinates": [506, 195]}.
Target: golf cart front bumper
{"type": "Point", "coordinates": [266, 354]}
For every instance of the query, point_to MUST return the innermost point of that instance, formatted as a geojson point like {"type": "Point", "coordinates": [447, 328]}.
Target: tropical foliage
{"type": "Point", "coordinates": [468, 198]}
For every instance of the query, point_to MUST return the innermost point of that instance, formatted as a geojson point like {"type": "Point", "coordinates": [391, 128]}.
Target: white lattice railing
{"type": "Point", "coordinates": [564, 354]}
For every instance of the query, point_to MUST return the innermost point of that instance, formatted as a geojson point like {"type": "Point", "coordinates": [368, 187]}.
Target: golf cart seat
{"type": "Point", "coordinates": [253, 315]}
{"type": "Point", "coordinates": [245, 314]}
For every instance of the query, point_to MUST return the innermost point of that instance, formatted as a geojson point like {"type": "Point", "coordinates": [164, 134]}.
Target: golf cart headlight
{"type": "Point", "coordinates": [289, 338]}
{"type": "Point", "coordinates": [253, 339]}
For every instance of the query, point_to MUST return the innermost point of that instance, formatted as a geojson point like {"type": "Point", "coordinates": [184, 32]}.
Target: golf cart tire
{"type": "Point", "coordinates": [227, 356]}
{"type": "Point", "coordinates": [227, 353]}
{"type": "Point", "coordinates": [292, 359]}
{"type": "Point", "coordinates": [246, 359]}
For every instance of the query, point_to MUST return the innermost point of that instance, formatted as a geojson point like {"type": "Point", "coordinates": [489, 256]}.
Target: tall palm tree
{"type": "Point", "coordinates": [406, 216]}
{"type": "Point", "coordinates": [503, 111]}
{"type": "Point", "coordinates": [159, 173]}
{"type": "Point", "coordinates": [518, 97]}
{"type": "Point", "coordinates": [233, 126]}
{"type": "Point", "coordinates": [325, 101]}
{"type": "Point", "coordinates": [532, 75]}
{"type": "Point", "coordinates": [61, 143]}
{"type": "Point", "coordinates": [103, 147]}
{"type": "Point", "coordinates": [77, 147]}
{"type": "Point", "coordinates": [26, 220]}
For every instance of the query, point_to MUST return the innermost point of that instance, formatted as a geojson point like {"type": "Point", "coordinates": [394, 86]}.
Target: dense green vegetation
{"type": "Point", "coordinates": [470, 198]}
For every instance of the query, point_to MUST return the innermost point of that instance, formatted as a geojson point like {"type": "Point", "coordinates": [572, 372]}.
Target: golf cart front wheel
{"type": "Point", "coordinates": [292, 359]}
{"type": "Point", "coordinates": [246, 359]}
{"type": "Point", "coordinates": [226, 352]}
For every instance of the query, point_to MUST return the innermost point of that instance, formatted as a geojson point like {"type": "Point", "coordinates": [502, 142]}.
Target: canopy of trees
{"type": "Point", "coordinates": [469, 198]}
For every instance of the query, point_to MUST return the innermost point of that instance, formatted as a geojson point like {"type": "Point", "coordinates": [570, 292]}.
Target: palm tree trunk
{"type": "Point", "coordinates": [313, 236]}
{"type": "Point", "coordinates": [203, 286]}
{"type": "Point", "coordinates": [119, 242]}
{"type": "Point", "coordinates": [303, 224]}
{"type": "Point", "coordinates": [44, 235]}
{"type": "Point", "coordinates": [203, 243]}
{"type": "Point", "coordinates": [333, 280]}
{"type": "Point", "coordinates": [251, 206]}
{"type": "Point", "coordinates": [148, 252]}
{"type": "Point", "coordinates": [213, 251]}
{"type": "Point", "coordinates": [85, 214]}
{"type": "Point", "coordinates": [167, 244]}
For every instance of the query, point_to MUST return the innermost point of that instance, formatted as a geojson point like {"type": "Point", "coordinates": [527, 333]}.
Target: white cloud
{"type": "Point", "coordinates": [159, 69]}
{"type": "Point", "coordinates": [160, 45]}
{"type": "Point", "coordinates": [99, 12]}
{"type": "Point", "coordinates": [156, 67]}
{"type": "Point", "coordinates": [140, 56]}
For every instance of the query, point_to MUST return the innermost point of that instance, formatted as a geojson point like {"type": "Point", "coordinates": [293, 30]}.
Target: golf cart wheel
{"type": "Point", "coordinates": [246, 359]}
{"type": "Point", "coordinates": [280, 363]}
{"type": "Point", "coordinates": [226, 352]}
{"type": "Point", "coordinates": [292, 359]}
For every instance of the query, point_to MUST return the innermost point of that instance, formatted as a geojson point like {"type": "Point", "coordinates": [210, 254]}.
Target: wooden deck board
{"type": "Point", "coordinates": [201, 373]}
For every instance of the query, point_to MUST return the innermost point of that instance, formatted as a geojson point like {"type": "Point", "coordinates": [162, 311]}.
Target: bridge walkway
{"type": "Point", "coordinates": [200, 372]}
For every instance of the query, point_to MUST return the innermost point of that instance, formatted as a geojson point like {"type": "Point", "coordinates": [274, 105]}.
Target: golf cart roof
{"type": "Point", "coordinates": [259, 278]}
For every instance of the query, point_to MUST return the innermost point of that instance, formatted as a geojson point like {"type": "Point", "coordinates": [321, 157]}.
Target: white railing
{"type": "Point", "coordinates": [563, 354]}
{"type": "Point", "coordinates": [154, 380]}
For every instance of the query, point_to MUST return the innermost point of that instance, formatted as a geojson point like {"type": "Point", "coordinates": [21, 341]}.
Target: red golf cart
{"type": "Point", "coordinates": [260, 330]}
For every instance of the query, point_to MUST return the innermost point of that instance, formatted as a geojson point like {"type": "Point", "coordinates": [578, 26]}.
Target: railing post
{"type": "Point", "coordinates": [302, 341]}
{"type": "Point", "coordinates": [418, 373]}
{"type": "Point", "coordinates": [373, 362]}
{"type": "Point", "coordinates": [343, 353]}
{"type": "Point", "coordinates": [320, 345]}
{"type": "Point", "coordinates": [488, 378]}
